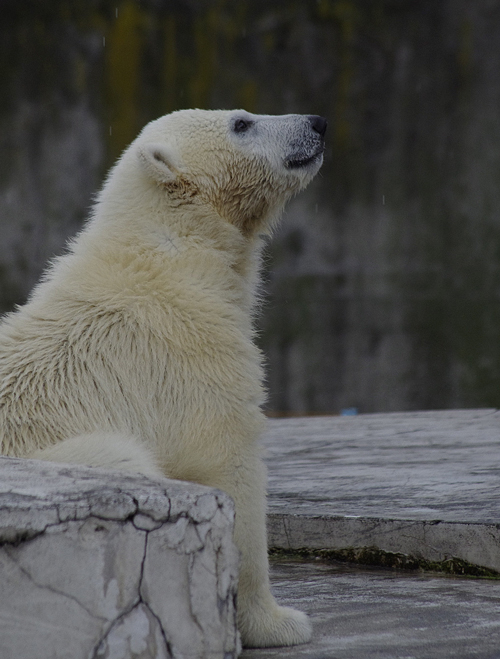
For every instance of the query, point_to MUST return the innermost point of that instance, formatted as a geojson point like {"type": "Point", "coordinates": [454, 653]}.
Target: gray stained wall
{"type": "Point", "coordinates": [383, 281]}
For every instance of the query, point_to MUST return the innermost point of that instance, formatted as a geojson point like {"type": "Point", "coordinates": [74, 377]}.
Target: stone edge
{"type": "Point", "coordinates": [461, 548]}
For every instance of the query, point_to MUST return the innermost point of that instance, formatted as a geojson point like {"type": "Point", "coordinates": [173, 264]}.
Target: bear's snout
{"type": "Point", "coordinates": [319, 124]}
{"type": "Point", "coordinates": [308, 148]}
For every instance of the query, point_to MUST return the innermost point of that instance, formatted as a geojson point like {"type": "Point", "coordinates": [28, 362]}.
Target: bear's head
{"type": "Point", "coordinates": [245, 165]}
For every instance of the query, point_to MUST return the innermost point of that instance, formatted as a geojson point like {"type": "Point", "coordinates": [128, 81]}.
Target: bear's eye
{"type": "Point", "coordinates": [241, 125]}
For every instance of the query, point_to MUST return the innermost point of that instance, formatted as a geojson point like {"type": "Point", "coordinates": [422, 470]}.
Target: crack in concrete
{"type": "Point", "coordinates": [99, 646]}
{"type": "Point", "coordinates": [148, 605]}
{"type": "Point", "coordinates": [112, 624]}
{"type": "Point", "coordinates": [129, 609]}
{"type": "Point", "coordinates": [168, 646]}
{"type": "Point", "coordinates": [21, 537]}
{"type": "Point", "coordinates": [26, 536]}
{"type": "Point", "coordinates": [190, 599]}
{"type": "Point", "coordinates": [51, 589]}
{"type": "Point", "coordinates": [143, 561]}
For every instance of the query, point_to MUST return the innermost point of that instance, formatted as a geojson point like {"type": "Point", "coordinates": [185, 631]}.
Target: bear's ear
{"type": "Point", "coordinates": [159, 162]}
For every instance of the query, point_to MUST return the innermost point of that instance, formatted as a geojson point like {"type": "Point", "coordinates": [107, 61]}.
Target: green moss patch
{"type": "Point", "coordinates": [374, 557]}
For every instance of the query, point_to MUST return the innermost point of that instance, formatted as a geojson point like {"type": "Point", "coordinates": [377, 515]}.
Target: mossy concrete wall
{"type": "Point", "coordinates": [384, 279]}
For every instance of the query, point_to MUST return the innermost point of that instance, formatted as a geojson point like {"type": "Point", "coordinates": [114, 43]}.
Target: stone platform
{"type": "Point", "coordinates": [360, 613]}
{"type": "Point", "coordinates": [108, 565]}
{"type": "Point", "coordinates": [426, 485]}
{"type": "Point", "coordinates": [419, 490]}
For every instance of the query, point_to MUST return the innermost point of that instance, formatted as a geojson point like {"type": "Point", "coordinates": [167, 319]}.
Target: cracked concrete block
{"type": "Point", "coordinates": [102, 564]}
{"type": "Point", "coordinates": [138, 634]}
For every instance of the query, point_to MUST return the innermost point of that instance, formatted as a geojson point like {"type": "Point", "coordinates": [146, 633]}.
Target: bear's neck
{"type": "Point", "coordinates": [185, 237]}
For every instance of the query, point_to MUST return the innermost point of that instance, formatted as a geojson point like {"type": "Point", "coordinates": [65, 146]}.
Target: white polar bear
{"type": "Point", "coordinates": [136, 350]}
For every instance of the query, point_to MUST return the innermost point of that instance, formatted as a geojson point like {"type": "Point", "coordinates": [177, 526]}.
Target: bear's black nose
{"type": "Point", "coordinates": [318, 124]}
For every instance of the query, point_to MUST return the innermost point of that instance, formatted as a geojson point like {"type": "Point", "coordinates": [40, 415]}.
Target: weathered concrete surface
{"type": "Point", "coordinates": [424, 484]}
{"type": "Point", "coordinates": [110, 565]}
{"type": "Point", "coordinates": [380, 614]}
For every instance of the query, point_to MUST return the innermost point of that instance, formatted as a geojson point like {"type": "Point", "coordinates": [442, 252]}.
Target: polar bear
{"type": "Point", "coordinates": [136, 350]}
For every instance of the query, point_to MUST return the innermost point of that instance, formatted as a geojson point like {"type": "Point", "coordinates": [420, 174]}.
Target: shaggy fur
{"type": "Point", "coordinates": [136, 350]}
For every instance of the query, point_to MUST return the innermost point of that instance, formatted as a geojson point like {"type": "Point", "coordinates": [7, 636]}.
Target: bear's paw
{"type": "Point", "coordinates": [273, 627]}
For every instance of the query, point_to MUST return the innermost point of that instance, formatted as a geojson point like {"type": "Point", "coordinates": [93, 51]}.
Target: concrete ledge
{"type": "Point", "coordinates": [426, 544]}
{"type": "Point", "coordinates": [425, 484]}
{"type": "Point", "coordinates": [105, 564]}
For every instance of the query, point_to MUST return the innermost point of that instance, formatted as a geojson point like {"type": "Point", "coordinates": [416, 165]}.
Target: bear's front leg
{"type": "Point", "coordinates": [261, 621]}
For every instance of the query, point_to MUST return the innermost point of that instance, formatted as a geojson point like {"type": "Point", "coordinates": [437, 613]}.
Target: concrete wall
{"type": "Point", "coordinates": [385, 276]}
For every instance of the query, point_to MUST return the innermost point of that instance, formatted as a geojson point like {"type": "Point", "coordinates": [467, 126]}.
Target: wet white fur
{"type": "Point", "coordinates": [136, 350]}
